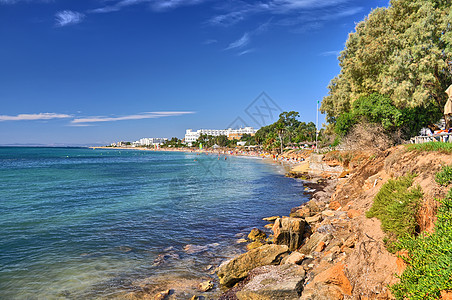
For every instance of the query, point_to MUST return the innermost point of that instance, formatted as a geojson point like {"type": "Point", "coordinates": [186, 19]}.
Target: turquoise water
{"type": "Point", "coordinates": [79, 223]}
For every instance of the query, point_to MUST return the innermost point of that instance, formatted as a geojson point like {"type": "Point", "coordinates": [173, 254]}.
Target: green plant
{"type": "Point", "coordinates": [396, 206]}
{"type": "Point", "coordinates": [444, 177]}
{"type": "Point", "coordinates": [442, 147]}
{"type": "Point", "coordinates": [429, 259]}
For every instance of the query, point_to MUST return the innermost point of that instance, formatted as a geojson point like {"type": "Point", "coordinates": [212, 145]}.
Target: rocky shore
{"type": "Point", "coordinates": [327, 248]}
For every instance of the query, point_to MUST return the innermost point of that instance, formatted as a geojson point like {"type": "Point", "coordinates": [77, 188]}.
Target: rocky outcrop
{"type": "Point", "coordinates": [289, 231]}
{"type": "Point", "coordinates": [334, 276]}
{"type": "Point", "coordinates": [236, 269]}
{"type": "Point", "coordinates": [274, 282]}
{"type": "Point", "coordinates": [257, 235]}
{"type": "Point", "coordinates": [314, 240]}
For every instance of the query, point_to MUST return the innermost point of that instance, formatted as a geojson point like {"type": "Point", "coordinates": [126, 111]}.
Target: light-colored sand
{"type": "Point", "coordinates": [302, 167]}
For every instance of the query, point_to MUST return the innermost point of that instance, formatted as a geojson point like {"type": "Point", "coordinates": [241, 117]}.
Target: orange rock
{"type": "Point", "coordinates": [446, 295]}
{"type": "Point", "coordinates": [401, 264]}
{"type": "Point", "coordinates": [353, 213]}
{"type": "Point", "coordinates": [343, 174]}
{"type": "Point", "coordinates": [334, 205]}
{"type": "Point", "coordinates": [320, 247]}
{"type": "Point", "coordinates": [335, 276]}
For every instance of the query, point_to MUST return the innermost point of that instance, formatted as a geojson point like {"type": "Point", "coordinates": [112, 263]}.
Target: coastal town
{"type": "Point", "coordinates": [191, 137]}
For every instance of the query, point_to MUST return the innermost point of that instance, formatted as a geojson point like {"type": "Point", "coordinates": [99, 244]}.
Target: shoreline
{"type": "Point", "coordinates": [316, 188]}
{"type": "Point", "coordinates": [288, 160]}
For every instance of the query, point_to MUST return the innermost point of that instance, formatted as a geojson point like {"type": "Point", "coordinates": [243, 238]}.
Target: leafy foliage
{"type": "Point", "coordinates": [429, 259]}
{"type": "Point", "coordinates": [380, 109]}
{"type": "Point", "coordinates": [396, 205]}
{"type": "Point", "coordinates": [431, 146]}
{"type": "Point", "coordinates": [173, 142]}
{"type": "Point", "coordinates": [404, 52]}
{"type": "Point", "coordinates": [209, 140]}
{"type": "Point", "coordinates": [287, 130]}
{"type": "Point", "coordinates": [444, 177]}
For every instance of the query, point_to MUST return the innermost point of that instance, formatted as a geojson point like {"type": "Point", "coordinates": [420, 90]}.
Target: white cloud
{"type": "Point", "coordinates": [157, 5]}
{"type": "Point", "coordinates": [282, 9]}
{"type": "Point", "coordinates": [331, 53]}
{"type": "Point", "coordinates": [245, 52]}
{"type": "Point", "coordinates": [145, 115]}
{"type": "Point", "coordinates": [240, 43]}
{"type": "Point", "coordinates": [211, 41]}
{"type": "Point", "coordinates": [68, 17]}
{"type": "Point", "coordinates": [32, 117]}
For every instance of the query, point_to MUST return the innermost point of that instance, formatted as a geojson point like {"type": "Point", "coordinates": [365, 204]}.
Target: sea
{"type": "Point", "coordinates": [81, 223]}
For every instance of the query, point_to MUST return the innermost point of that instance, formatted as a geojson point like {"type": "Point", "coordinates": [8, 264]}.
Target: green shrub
{"type": "Point", "coordinates": [429, 269]}
{"type": "Point", "coordinates": [444, 177]}
{"type": "Point", "coordinates": [442, 147]}
{"type": "Point", "coordinates": [396, 205]}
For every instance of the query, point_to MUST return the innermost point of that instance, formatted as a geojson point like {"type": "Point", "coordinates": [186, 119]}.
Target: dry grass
{"type": "Point", "coordinates": [367, 137]}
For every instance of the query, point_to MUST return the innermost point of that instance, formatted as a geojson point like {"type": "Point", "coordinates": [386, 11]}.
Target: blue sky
{"type": "Point", "coordinates": [97, 71]}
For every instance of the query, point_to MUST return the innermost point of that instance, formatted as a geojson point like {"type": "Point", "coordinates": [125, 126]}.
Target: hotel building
{"type": "Point", "coordinates": [191, 136]}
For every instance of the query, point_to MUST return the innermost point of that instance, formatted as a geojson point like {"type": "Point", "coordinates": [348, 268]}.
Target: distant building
{"type": "Point", "coordinates": [191, 136]}
{"type": "Point", "coordinates": [150, 141]}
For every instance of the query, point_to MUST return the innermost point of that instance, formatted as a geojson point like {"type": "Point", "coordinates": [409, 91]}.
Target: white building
{"type": "Point", "coordinates": [150, 141]}
{"type": "Point", "coordinates": [191, 136]}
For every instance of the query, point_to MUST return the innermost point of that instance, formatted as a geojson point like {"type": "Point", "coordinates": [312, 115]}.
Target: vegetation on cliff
{"type": "Point", "coordinates": [396, 205]}
{"type": "Point", "coordinates": [394, 68]}
{"type": "Point", "coordinates": [429, 259]}
{"type": "Point", "coordinates": [431, 147]}
{"type": "Point", "coordinates": [428, 255]}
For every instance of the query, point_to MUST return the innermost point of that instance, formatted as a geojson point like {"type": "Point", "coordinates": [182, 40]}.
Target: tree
{"type": "Point", "coordinates": [403, 52]}
{"type": "Point", "coordinates": [280, 128]}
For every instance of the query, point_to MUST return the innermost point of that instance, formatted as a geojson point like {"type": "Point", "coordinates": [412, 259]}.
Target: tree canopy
{"type": "Point", "coordinates": [287, 130]}
{"type": "Point", "coordinates": [402, 53]}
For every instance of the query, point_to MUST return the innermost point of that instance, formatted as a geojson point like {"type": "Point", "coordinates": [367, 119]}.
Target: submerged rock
{"type": "Point", "coordinates": [162, 295]}
{"type": "Point", "coordinates": [193, 249]}
{"type": "Point", "coordinates": [289, 231]}
{"type": "Point", "coordinates": [256, 235]}
{"type": "Point", "coordinates": [205, 286]}
{"type": "Point", "coordinates": [236, 269]}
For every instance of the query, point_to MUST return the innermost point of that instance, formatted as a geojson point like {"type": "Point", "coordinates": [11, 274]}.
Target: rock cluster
{"type": "Point", "coordinates": [237, 269]}
{"type": "Point", "coordinates": [305, 260]}
{"type": "Point", "coordinates": [289, 231]}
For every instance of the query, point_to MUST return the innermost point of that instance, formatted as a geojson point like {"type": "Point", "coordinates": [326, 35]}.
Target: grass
{"type": "Point", "coordinates": [444, 177]}
{"type": "Point", "coordinates": [396, 206]}
{"type": "Point", "coordinates": [429, 261]}
{"type": "Point", "coordinates": [431, 146]}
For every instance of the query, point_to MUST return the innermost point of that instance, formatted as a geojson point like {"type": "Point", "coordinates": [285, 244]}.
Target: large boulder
{"type": "Point", "coordinates": [274, 282]}
{"type": "Point", "coordinates": [321, 291]}
{"type": "Point", "coordinates": [289, 231]}
{"type": "Point", "coordinates": [236, 269]}
{"type": "Point", "coordinates": [314, 240]}
{"type": "Point", "coordinates": [334, 276]}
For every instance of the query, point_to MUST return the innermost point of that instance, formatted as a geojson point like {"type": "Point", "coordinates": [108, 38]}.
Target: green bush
{"type": "Point", "coordinates": [431, 146]}
{"type": "Point", "coordinates": [429, 269]}
{"type": "Point", "coordinates": [444, 177]}
{"type": "Point", "coordinates": [396, 206]}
